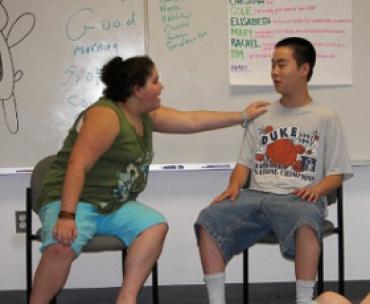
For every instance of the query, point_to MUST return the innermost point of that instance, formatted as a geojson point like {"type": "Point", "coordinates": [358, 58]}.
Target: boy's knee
{"type": "Point", "coordinates": [202, 233]}
{"type": "Point", "coordinates": [306, 230]}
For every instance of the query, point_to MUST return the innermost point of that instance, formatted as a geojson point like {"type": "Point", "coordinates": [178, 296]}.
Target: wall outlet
{"type": "Point", "coordinates": [20, 221]}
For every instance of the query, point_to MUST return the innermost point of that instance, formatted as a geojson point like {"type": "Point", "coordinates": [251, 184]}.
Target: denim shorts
{"type": "Point", "coordinates": [238, 225]}
{"type": "Point", "coordinates": [126, 223]}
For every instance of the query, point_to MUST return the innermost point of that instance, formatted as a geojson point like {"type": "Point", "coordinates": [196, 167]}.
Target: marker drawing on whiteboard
{"type": "Point", "coordinates": [16, 33]}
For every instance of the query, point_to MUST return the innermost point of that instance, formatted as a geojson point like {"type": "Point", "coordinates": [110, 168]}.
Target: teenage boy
{"type": "Point", "coordinates": [293, 156]}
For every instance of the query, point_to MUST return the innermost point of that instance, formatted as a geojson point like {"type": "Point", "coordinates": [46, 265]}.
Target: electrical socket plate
{"type": "Point", "coordinates": [20, 221]}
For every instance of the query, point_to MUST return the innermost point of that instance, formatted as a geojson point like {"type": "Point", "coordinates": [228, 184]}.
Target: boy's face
{"type": "Point", "coordinates": [285, 73]}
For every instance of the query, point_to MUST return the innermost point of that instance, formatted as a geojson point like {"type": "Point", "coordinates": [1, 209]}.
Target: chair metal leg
{"type": "Point", "coordinates": [245, 277]}
{"type": "Point", "coordinates": [28, 268]}
{"type": "Point", "coordinates": [155, 291]}
{"type": "Point", "coordinates": [320, 281]}
{"type": "Point", "coordinates": [341, 287]}
{"type": "Point", "coordinates": [123, 258]}
{"type": "Point", "coordinates": [53, 300]}
{"type": "Point", "coordinates": [28, 244]}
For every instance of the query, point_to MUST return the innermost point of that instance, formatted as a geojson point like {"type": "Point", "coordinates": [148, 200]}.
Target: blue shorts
{"type": "Point", "coordinates": [126, 223]}
{"type": "Point", "coordinates": [238, 225]}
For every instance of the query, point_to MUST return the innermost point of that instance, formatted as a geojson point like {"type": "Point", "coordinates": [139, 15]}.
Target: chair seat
{"type": "Point", "coordinates": [98, 243]}
{"type": "Point", "coordinates": [104, 243]}
{"type": "Point", "coordinates": [271, 238]}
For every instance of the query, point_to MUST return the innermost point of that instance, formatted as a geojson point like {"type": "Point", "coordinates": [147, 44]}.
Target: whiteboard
{"type": "Point", "coordinates": [63, 46]}
{"type": "Point", "coordinates": [192, 59]}
{"type": "Point", "coordinates": [195, 74]}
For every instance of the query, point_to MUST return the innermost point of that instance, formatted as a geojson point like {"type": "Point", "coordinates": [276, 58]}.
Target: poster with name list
{"type": "Point", "coordinates": [256, 25]}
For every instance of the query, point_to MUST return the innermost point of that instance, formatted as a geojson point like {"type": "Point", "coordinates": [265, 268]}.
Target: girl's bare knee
{"type": "Point", "coordinates": [59, 251]}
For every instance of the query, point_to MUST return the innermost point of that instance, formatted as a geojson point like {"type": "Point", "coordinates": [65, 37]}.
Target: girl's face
{"type": "Point", "coordinates": [149, 94]}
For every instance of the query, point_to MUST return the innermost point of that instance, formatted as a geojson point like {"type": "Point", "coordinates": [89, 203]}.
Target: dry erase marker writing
{"type": "Point", "coordinates": [173, 167]}
{"type": "Point", "coordinates": [219, 166]}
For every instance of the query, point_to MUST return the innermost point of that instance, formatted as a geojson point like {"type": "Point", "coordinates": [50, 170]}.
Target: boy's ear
{"type": "Point", "coordinates": [305, 69]}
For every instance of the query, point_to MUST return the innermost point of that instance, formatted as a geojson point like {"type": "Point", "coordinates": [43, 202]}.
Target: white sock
{"type": "Point", "coordinates": [304, 291]}
{"type": "Point", "coordinates": [215, 284]}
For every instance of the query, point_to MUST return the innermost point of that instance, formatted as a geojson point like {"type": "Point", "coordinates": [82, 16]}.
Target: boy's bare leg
{"type": "Point", "coordinates": [213, 265]}
{"type": "Point", "coordinates": [306, 263]}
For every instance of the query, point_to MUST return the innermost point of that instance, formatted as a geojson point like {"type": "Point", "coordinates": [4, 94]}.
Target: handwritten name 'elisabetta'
{"type": "Point", "coordinates": [246, 21]}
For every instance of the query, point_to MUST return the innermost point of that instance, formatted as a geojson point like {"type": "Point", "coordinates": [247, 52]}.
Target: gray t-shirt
{"type": "Point", "coordinates": [289, 148]}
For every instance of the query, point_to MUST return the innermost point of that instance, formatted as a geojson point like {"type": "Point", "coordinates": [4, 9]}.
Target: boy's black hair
{"type": "Point", "coordinates": [303, 51]}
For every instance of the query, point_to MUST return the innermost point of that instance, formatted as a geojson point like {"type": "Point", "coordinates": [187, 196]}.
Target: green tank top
{"type": "Point", "coordinates": [118, 176]}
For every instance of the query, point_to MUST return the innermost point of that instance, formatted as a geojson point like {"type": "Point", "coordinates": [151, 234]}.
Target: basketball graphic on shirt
{"type": "Point", "coordinates": [282, 152]}
{"type": "Point", "coordinates": [259, 157]}
{"type": "Point", "coordinates": [268, 129]}
{"type": "Point", "coordinates": [300, 149]}
{"type": "Point", "coordinates": [297, 166]}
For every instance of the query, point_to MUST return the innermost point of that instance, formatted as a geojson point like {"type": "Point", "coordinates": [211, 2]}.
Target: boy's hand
{"type": "Point", "coordinates": [231, 192]}
{"type": "Point", "coordinates": [309, 194]}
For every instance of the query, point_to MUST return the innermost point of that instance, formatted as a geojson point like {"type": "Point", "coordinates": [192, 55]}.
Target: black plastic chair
{"type": "Point", "coordinates": [97, 244]}
{"type": "Point", "coordinates": [328, 229]}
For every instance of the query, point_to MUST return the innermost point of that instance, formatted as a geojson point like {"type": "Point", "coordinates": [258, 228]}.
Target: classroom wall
{"type": "Point", "coordinates": [194, 74]}
{"type": "Point", "coordinates": [180, 196]}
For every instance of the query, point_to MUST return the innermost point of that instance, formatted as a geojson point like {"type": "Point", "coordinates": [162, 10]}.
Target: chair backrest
{"type": "Point", "coordinates": [38, 174]}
